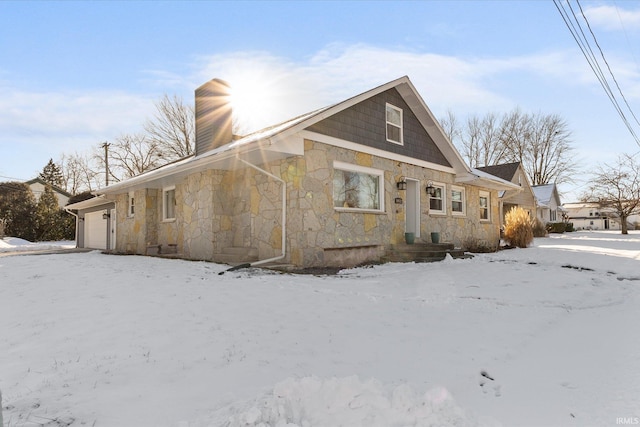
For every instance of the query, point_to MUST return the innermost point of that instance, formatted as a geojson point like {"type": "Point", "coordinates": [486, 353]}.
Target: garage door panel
{"type": "Point", "coordinates": [95, 231]}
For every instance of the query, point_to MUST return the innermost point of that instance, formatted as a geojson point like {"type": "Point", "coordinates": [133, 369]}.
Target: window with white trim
{"type": "Point", "coordinates": [357, 187]}
{"type": "Point", "coordinates": [485, 206]}
{"type": "Point", "coordinates": [168, 203]}
{"type": "Point", "coordinates": [458, 201]}
{"type": "Point", "coordinates": [131, 207]}
{"type": "Point", "coordinates": [394, 124]}
{"type": "Point", "coordinates": [437, 200]}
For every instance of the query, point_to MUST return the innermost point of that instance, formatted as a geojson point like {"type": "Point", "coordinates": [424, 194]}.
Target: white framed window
{"type": "Point", "coordinates": [357, 187]}
{"type": "Point", "coordinates": [458, 201]}
{"type": "Point", "coordinates": [394, 124]}
{"type": "Point", "coordinates": [131, 207]}
{"type": "Point", "coordinates": [438, 200]}
{"type": "Point", "coordinates": [485, 206]}
{"type": "Point", "coordinates": [168, 203]}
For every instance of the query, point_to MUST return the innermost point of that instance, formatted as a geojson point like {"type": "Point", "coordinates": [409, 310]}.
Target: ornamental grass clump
{"type": "Point", "coordinates": [518, 229]}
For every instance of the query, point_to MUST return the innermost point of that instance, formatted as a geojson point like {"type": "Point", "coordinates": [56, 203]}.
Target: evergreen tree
{"type": "Point", "coordinates": [52, 223]}
{"type": "Point", "coordinates": [52, 174]}
{"type": "Point", "coordinates": [17, 209]}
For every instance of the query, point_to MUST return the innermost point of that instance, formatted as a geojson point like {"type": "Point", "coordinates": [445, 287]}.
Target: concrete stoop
{"type": "Point", "coordinates": [423, 252]}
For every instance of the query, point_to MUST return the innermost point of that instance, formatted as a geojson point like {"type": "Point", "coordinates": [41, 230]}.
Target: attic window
{"type": "Point", "coordinates": [394, 124]}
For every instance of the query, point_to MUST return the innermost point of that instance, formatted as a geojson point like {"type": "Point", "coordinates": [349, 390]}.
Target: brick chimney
{"type": "Point", "coordinates": [213, 116]}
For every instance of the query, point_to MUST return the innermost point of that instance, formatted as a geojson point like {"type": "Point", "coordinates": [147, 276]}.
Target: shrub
{"type": "Point", "coordinates": [556, 227]}
{"type": "Point", "coordinates": [539, 230]}
{"type": "Point", "coordinates": [518, 230]}
{"type": "Point", "coordinates": [569, 227]}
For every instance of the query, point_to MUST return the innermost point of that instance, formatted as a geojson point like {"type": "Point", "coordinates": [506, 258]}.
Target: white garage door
{"type": "Point", "coordinates": [95, 230]}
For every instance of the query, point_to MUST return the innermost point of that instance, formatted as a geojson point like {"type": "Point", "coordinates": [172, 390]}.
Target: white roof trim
{"type": "Point", "coordinates": [263, 139]}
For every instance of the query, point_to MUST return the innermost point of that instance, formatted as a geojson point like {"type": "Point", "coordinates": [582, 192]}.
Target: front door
{"type": "Point", "coordinates": [412, 212]}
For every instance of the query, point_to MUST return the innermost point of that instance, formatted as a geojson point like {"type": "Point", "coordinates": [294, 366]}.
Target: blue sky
{"type": "Point", "coordinates": [76, 74]}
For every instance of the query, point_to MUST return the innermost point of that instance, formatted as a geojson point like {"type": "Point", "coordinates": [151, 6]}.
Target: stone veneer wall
{"type": "Point", "coordinates": [217, 209]}
{"type": "Point", "coordinates": [136, 232]}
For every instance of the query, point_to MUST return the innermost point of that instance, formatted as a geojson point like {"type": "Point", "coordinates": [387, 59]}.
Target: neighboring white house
{"type": "Point", "coordinates": [548, 206]}
{"type": "Point", "coordinates": [590, 216]}
{"type": "Point", "coordinates": [37, 187]}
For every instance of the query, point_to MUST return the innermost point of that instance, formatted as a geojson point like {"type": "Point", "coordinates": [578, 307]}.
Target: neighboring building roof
{"type": "Point", "coordinates": [505, 171]}
{"type": "Point", "coordinates": [55, 187]}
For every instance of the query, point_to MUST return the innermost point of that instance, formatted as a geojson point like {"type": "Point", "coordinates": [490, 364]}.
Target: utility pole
{"type": "Point", "coordinates": [106, 162]}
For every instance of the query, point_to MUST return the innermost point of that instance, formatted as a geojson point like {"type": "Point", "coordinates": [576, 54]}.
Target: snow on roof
{"type": "Point", "coordinates": [543, 193]}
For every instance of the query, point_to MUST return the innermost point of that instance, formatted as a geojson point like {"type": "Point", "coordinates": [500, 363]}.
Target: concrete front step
{"type": "Point", "coordinates": [422, 252]}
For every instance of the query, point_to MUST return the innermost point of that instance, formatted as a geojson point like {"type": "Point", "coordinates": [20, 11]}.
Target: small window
{"type": "Point", "coordinates": [169, 203]}
{"type": "Point", "coordinates": [458, 205]}
{"type": "Point", "coordinates": [484, 206]}
{"type": "Point", "coordinates": [437, 201]}
{"type": "Point", "coordinates": [394, 124]}
{"type": "Point", "coordinates": [131, 207]}
{"type": "Point", "coordinates": [357, 187]}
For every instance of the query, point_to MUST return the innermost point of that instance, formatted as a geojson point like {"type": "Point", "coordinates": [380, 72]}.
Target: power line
{"type": "Point", "coordinates": [581, 39]}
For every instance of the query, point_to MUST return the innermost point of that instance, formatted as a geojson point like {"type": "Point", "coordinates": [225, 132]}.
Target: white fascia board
{"type": "Point", "coordinates": [483, 179]}
{"type": "Point", "coordinates": [337, 142]}
{"type": "Point", "coordinates": [89, 203]}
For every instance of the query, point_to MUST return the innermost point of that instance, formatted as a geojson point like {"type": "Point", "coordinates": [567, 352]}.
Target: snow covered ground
{"type": "Point", "coordinates": [543, 336]}
{"type": "Point", "coordinates": [14, 244]}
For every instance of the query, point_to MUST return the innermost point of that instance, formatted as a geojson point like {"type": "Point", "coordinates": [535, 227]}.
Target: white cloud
{"type": "Point", "coordinates": [613, 18]}
{"type": "Point", "coordinates": [85, 113]}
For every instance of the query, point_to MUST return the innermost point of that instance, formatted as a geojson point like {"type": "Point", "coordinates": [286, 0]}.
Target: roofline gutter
{"type": "Point", "coordinates": [284, 213]}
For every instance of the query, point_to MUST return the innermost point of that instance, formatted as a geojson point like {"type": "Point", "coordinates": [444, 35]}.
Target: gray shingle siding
{"type": "Point", "coordinates": [365, 123]}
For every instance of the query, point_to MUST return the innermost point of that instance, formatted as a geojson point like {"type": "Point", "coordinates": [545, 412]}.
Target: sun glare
{"type": "Point", "coordinates": [254, 104]}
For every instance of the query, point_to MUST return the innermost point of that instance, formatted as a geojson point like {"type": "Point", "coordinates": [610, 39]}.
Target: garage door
{"type": "Point", "coordinates": [95, 231]}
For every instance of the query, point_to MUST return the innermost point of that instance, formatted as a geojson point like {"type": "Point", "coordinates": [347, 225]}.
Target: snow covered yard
{"type": "Point", "coordinates": [544, 336]}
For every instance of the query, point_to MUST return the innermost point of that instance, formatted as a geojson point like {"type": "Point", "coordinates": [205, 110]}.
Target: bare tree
{"type": "Point", "coordinates": [172, 128]}
{"type": "Point", "coordinates": [540, 142]}
{"type": "Point", "coordinates": [79, 173]}
{"type": "Point", "coordinates": [131, 155]}
{"type": "Point", "coordinates": [451, 128]}
{"type": "Point", "coordinates": [617, 187]}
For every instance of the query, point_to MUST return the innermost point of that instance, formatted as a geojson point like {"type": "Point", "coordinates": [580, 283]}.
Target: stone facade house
{"type": "Point", "coordinates": [549, 208]}
{"type": "Point", "coordinates": [336, 187]}
{"type": "Point", "coordinates": [522, 196]}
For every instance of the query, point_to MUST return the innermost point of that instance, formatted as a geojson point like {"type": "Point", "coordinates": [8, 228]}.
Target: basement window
{"type": "Point", "coordinates": [169, 204]}
{"type": "Point", "coordinates": [357, 187]}
{"type": "Point", "coordinates": [394, 124]}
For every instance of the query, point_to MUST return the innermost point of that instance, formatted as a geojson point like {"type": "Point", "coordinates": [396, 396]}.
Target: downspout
{"type": "Point", "coordinates": [77, 227]}
{"type": "Point", "coordinates": [284, 213]}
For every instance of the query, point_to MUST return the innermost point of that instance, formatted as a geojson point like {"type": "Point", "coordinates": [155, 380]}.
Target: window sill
{"type": "Point", "coordinates": [356, 210]}
{"type": "Point", "coordinates": [169, 220]}
{"type": "Point", "coordinates": [437, 213]}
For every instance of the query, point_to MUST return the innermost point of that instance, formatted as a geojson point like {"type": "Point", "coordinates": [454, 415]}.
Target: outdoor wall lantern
{"type": "Point", "coordinates": [105, 215]}
{"type": "Point", "coordinates": [431, 190]}
{"type": "Point", "coordinates": [402, 185]}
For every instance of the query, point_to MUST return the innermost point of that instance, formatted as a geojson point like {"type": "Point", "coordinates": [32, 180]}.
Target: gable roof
{"type": "Point", "coordinates": [505, 171]}
{"type": "Point", "coordinates": [544, 193]}
{"type": "Point", "coordinates": [271, 143]}
{"type": "Point", "coordinates": [54, 187]}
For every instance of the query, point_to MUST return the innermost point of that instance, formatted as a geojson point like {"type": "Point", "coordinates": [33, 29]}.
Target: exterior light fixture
{"type": "Point", "coordinates": [431, 190]}
{"type": "Point", "coordinates": [106, 215]}
{"type": "Point", "coordinates": [402, 185]}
